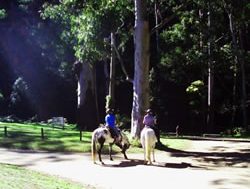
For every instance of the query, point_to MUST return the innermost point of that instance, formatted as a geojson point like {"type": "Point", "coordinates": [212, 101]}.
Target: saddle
{"type": "Point", "coordinates": [116, 135]}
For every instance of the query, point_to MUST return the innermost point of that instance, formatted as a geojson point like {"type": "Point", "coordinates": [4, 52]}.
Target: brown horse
{"type": "Point", "coordinates": [102, 135]}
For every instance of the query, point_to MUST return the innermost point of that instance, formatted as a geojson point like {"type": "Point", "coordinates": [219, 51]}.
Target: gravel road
{"type": "Point", "coordinates": [205, 165]}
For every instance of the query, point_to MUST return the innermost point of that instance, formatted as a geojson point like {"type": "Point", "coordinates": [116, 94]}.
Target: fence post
{"type": "Point", "coordinates": [5, 131]}
{"type": "Point", "coordinates": [42, 133]}
{"type": "Point", "coordinates": [80, 135]}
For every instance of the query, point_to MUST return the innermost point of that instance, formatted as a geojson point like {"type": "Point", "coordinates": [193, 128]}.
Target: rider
{"type": "Point", "coordinates": [149, 120]}
{"type": "Point", "coordinates": [110, 122]}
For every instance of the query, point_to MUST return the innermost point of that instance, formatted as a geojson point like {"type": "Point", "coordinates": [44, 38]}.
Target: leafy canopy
{"type": "Point", "coordinates": [87, 23]}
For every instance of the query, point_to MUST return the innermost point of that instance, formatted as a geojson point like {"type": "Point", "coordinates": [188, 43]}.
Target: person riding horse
{"type": "Point", "coordinates": [110, 121]}
{"type": "Point", "coordinates": [149, 120]}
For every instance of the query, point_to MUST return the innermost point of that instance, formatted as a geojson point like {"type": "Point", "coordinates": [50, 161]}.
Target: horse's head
{"type": "Point", "coordinates": [124, 143]}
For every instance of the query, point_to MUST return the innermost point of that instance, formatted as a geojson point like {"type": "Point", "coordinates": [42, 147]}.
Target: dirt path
{"type": "Point", "coordinates": [206, 165]}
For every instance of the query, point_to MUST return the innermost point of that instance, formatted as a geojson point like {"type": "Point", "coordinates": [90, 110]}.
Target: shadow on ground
{"type": "Point", "coordinates": [216, 157]}
{"type": "Point", "coordinates": [138, 162]}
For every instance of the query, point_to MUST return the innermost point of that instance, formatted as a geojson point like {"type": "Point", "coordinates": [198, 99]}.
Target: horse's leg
{"type": "Point", "coordinates": [100, 150]}
{"type": "Point", "coordinates": [149, 156]}
{"type": "Point", "coordinates": [124, 152]}
{"type": "Point", "coordinates": [123, 148]}
{"type": "Point", "coordinates": [144, 149]}
{"type": "Point", "coordinates": [153, 152]}
{"type": "Point", "coordinates": [110, 151]}
{"type": "Point", "coordinates": [125, 155]}
{"type": "Point", "coordinates": [144, 153]}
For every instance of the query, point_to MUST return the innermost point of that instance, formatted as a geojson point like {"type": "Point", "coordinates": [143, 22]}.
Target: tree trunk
{"type": "Point", "coordinates": [210, 102]}
{"type": "Point", "coordinates": [243, 84]}
{"type": "Point", "coordinates": [203, 98]}
{"type": "Point", "coordinates": [111, 96]}
{"type": "Point", "coordinates": [86, 102]}
{"type": "Point", "coordinates": [239, 62]}
{"type": "Point", "coordinates": [156, 24]}
{"type": "Point", "coordinates": [141, 68]}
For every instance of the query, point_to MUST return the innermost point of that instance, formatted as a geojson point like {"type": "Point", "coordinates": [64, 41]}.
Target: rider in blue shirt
{"type": "Point", "coordinates": [110, 122]}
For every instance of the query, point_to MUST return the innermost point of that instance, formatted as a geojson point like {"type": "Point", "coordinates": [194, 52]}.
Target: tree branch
{"type": "Point", "coordinates": [122, 65]}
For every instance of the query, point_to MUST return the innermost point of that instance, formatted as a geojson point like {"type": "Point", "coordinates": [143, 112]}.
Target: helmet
{"type": "Point", "coordinates": [149, 111]}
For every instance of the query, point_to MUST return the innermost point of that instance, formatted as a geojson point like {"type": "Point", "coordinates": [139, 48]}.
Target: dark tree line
{"type": "Point", "coordinates": [198, 60]}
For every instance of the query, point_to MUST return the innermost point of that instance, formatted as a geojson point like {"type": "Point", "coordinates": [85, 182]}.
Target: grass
{"type": "Point", "coordinates": [15, 177]}
{"type": "Point", "coordinates": [28, 136]}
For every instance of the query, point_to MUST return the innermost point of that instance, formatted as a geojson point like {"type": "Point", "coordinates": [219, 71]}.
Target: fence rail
{"type": "Point", "coordinates": [9, 132]}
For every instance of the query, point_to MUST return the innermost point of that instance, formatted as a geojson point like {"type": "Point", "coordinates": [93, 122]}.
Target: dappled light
{"type": "Point", "coordinates": [174, 73]}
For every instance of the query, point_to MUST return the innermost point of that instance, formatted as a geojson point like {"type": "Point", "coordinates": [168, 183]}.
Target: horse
{"type": "Point", "coordinates": [148, 140]}
{"type": "Point", "coordinates": [101, 136]}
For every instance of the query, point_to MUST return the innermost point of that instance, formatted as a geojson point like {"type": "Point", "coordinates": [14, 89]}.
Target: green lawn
{"type": "Point", "coordinates": [28, 136]}
{"type": "Point", "coordinates": [15, 177]}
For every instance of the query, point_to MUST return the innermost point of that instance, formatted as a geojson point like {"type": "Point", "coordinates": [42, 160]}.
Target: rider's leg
{"type": "Point", "coordinates": [112, 132]}
{"type": "Point", "coordinates": [157, 133]}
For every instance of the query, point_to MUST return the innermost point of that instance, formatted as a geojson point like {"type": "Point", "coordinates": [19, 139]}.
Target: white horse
{"type": "Point", "coordinates": [102, 135]}
{"type": "Point", "coordinates": [148, 141]}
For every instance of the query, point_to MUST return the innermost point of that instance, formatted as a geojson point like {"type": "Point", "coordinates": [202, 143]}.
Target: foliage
{"type": "Point", "coordinates": [70, 28]}
{"type": "Point", "coordinates": [1, 97]}
{"type": "Point", "coordinates": [33, 51]}
{"type": "Point", "coordinates": [88, 24]}
{"type": "Point", "coordinates": [2, 13]}
{"type": "Point", "coordinates": [196, 94]}
{"type": "Point", "coordinates": [123, 121]}
{"type": "Point", "coordinates": [184, 58]}
{"type": "Point", "coordinates": [20, 89]}
{"type": "Point", "coordinates": [19, 99]}
{"type": "Point", "coordinates": [195, 87]}
{"type": "Point", "coordinates": [14, 177]}
{"type": "Point", "coordinates": [239, 132]}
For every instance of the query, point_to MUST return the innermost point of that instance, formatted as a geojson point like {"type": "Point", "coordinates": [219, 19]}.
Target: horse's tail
{"type": "Point", "coordinates": [93, 147]}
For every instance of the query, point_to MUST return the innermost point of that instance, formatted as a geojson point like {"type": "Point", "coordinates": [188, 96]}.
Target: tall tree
{"type": "Point", "coordinates": [141, 67]}
{"type": "Point", "coordinates": [111, 96]}
{"type": "Point", "coordinates": [87, 111]}
{"type": "Point", "coordinates": [210, 95]}
{"type": "Point", "coordinates": [236, 35]}
{"type": "Point", "coordinates": [85, 28]}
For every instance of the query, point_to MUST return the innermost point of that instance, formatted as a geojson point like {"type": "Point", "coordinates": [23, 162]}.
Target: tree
{"type": "Point", "coordinates": [87, 112]}
{"type": "Point", "coordinates": [141, 67]}
{"type": "Point", "coordinates": [31, 49]}
{"type": "Point", "coordinates": [237, 47]}
{"type": "Point", "coordinates": [85, 28]}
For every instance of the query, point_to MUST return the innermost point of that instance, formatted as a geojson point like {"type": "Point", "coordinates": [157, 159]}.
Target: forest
{"type": "Point", "coordinates": [187, 60]}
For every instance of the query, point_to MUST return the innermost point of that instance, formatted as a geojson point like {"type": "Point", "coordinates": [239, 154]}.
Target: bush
{"type": "Point", "coordinates": [10, 119]}
{"type": "Point", "coordinates": [123, 122]}
{"type": "Point", "coordinates": [239, 131]}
